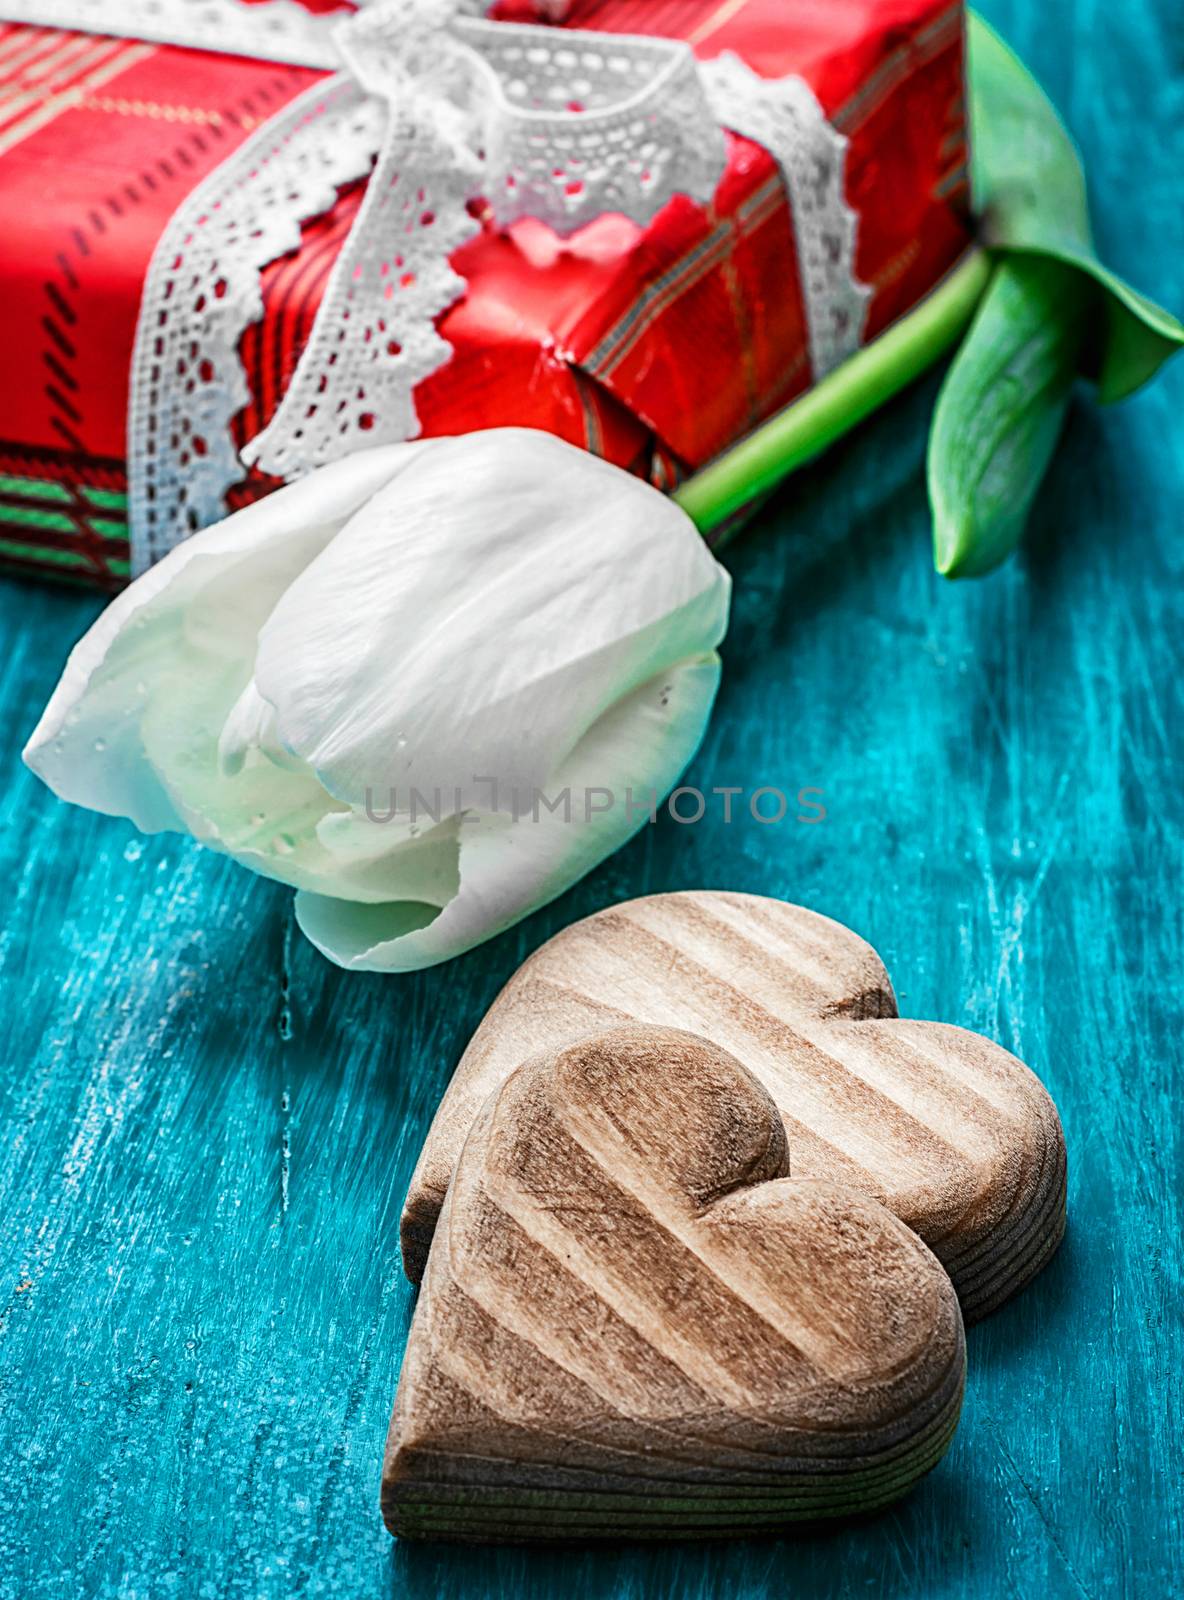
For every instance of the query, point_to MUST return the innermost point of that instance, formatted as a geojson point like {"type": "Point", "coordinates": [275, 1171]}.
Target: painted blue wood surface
{"type": "Point", "coordinates": [209, 1130]}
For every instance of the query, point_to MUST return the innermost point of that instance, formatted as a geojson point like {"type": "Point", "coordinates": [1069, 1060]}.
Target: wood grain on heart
{"type": "Point", "coordinates": [634, 1324]}
{"type": "Point", "coordinates": [950, 1131]}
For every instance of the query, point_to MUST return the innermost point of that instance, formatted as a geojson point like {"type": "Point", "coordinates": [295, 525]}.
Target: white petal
{"type": "Point", "coordinates": [279, 822]}
{"type": "Point", "coordinates": [508, 869]}
{"type": "Point", "coordinates": [200, 609]}
{"type": "Point", "coordinates": [478, 616]}
{"type": "Point", "coordinates": [250, 725]}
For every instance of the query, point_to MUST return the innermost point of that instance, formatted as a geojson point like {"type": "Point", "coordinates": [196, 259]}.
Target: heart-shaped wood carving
{"type": "Point", "coordinates": [948, 1130]}
{"type": "Point", "coordinates": [634, 1324]}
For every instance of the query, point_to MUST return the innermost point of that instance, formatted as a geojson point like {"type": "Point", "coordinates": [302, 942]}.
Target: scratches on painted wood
{"type": "Point", "coordinates": [285, 1033]}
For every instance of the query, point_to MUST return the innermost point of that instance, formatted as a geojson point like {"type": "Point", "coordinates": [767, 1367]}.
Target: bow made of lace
{"type": "Point", "coordinates": [476, 109]}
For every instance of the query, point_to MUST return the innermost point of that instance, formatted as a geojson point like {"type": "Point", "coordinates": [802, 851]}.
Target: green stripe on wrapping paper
{"type": "Point", "coordinates": [40, 552]}
{"type": "Point", "coordinates": [38, 488]}
{"type": "Point", "coordinates": [59, 521]}
{"type": "Point", "coordinates": [66, 560]}
{"type": "Point", "coordinates": [47, 489]}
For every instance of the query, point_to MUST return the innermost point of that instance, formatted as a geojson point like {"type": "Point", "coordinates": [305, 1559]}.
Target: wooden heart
{"type": "Point", "coordinates": [634, 1325]}
{"type": "Point", "coordinates": [948, 1130]}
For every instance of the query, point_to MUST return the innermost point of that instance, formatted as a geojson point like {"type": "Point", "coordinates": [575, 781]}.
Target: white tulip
{"type": "Point", "coordinates": [450, 615]}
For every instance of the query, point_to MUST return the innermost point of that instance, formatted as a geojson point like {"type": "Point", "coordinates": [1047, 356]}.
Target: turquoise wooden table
{"type": "Point", "coordinates": [208, 1130]}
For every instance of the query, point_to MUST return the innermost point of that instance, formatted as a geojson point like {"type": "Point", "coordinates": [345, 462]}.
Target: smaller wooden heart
{"type": "Point", "coordinates": [948, 1130]}
{"type": "Point", "coordinates": [634, 1324]}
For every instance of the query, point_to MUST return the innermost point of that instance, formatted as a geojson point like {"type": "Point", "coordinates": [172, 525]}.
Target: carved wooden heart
{"type": "Point", "coordinates": [950, 1131]}
{"type": "Point", "coordinates": [633, 1324]}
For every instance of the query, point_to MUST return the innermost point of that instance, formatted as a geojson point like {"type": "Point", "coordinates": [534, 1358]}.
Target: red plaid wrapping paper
{"type": "Point", "coordinates": [654, 349]}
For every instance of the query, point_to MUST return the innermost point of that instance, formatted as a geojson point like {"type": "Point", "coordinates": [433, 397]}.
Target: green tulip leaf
{"type": "Point", "coordinates": [1000, 411]}
{"type": "Point", "coordinates": [1051, 312]}
{"type": "Point", "coordinates": [1029, 190]}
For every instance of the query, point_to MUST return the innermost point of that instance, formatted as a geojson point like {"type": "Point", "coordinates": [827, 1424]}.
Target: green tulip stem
{"type": "Point", "coordinates": [839, 401]}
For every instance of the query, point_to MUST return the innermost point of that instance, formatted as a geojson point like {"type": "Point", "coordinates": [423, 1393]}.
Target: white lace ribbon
{"type": "Point", "coordinates": [265, 30]}
{"type": "Point", "coordinates": [784, 116]}
{"type": "Point", "coordinates": [203, 290]}
{"type": "Point", "coordinates": [271, 30]}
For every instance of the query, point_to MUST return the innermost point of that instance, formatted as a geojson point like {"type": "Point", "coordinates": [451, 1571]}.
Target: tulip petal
{"type": "Point", "coordinates": [276, 819]}
{"type": "Point", "coordinates": [475, 619]}
{"type": "Point", "coordinates": [199, 610]}
{"type": "Point", "coordinates": [251, 725]}
{"type": "Point", "coordinates": [508, 869]}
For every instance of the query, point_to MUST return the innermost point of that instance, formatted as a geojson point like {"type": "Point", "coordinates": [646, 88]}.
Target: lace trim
{"type": "Point", "coordinates": [272, 30]}
{"type": "Point", "coordinates": [266, 30]}
{"type": "Point", "coordinates": [374, 337]}
{"type": "Point", "coordinates": [783, 115]}
{"type": "Point", "coordinates": [201, 292]}
{"type": "Point", "coordinates": [643, 132]}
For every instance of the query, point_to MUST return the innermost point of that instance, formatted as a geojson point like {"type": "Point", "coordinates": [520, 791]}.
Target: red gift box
{"type": "Point", "coordinates": [654, 347]}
